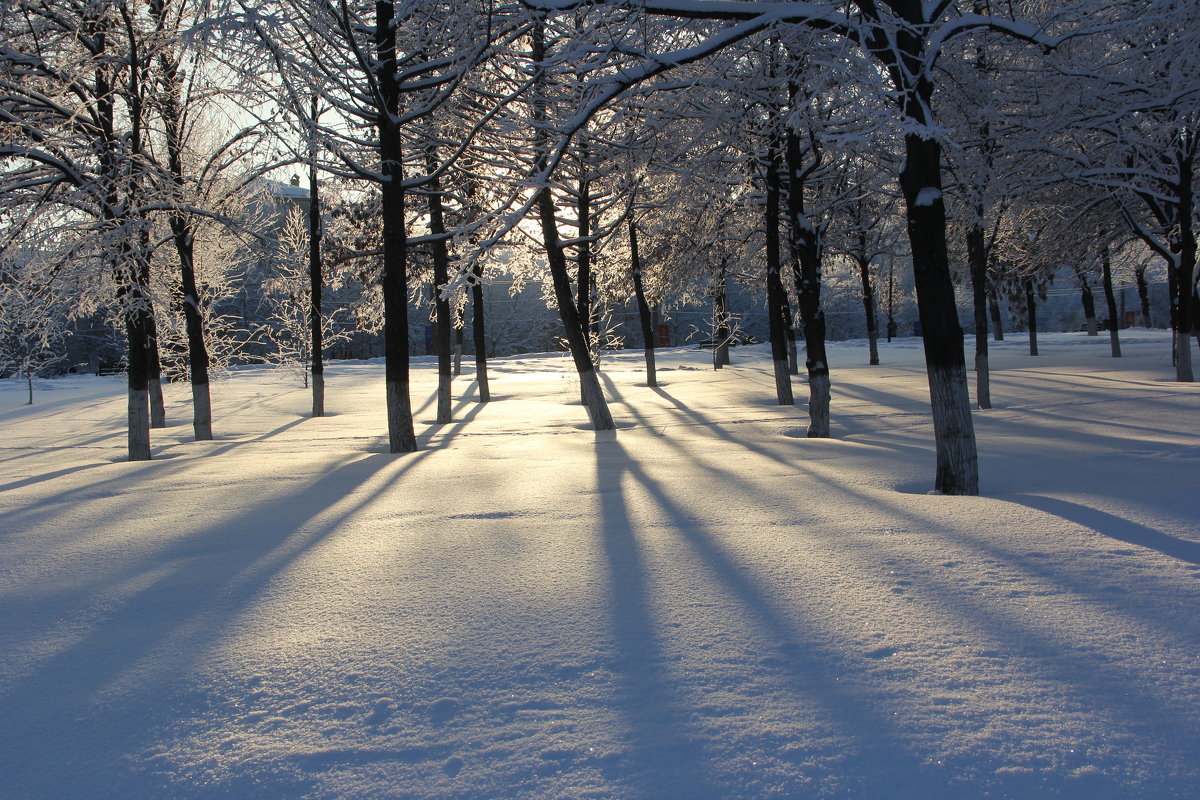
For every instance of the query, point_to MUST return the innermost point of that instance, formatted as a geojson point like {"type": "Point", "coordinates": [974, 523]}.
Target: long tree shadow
{"type": "Point", "coordinates": [124, 473]}
{"type": "Point", "coordinates": [180, 602]}
{"type": "Point", "coordinates": [873, 748]}
{"type": "Point", "coordinates": [1114, 527]}
{"type": "Point", "coordinates": [1076, 671]}
{"type": "Point", "coordinates": [667, 758]}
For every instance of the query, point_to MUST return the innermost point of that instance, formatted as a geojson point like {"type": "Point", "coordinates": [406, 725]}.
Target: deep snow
{"type": "Point", "coordinates": [704, 604]}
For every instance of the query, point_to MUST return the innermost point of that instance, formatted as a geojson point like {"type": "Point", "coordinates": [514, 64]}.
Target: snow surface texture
{"type": "Point", "coordinates": [705, 604]}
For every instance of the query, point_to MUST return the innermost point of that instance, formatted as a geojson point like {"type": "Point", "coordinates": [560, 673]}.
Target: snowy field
{"type": "Point", "coordinates": [705, 605]}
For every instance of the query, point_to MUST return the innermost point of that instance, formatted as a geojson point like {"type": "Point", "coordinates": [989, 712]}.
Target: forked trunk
{"type": "Point", "coordinates": [589, 384]}
{"type": "Point", "coordinates": [573, 326]}
{"type": "Point", "coordinates": [806, 272]}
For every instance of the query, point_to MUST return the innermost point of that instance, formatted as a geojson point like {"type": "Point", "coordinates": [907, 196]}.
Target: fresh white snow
{"type": "Point", "coordinates": [703, 604]}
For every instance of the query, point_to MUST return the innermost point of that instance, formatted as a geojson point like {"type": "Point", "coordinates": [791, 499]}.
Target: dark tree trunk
{"type": "Point", "coordinates": [1089, 307]}
{"type": "Point", "coordinates": [158, 408]}
{"type": "Point", "coordinates": [721, 323]}
{"type": "Point", "coordinates": [315, 285]}
{"type": "Point", "coordinates": [864, 274]}
{"type": "Point", "coordinates": [954, 431]}
{"type": "Point", "coordinates": [977, 258]}
{"type": "Point", "coordinates": [1186, 265]}
{"type": "Point", "coordinates": [459, 339]}
{"type": "Point", "coordinates": [644, 316]}
{"type": "Point", "coordinates": [583, 274]}
{"type": "Point", "coordinates": [1031, 316]}
{"type": "Point", "coordinates": [441, 276]}
{"type": "Point", "coordinates": [1110, 298]}
{"type": "Point", "coordinates": [1143, 290]}
{"type": "Point", "coordinates": [806, 272]}
{"type": "Point", "coordinates": [137, 332]}
{"type": "Point", "coordinates": [401, 438]}
{"type": "Point", "coordinates": [197, 349]}
{"type": "Point", "coordinates": [789, 328]}
{"type": "Point", "coordinates": [132, 291]}
{"type": "Point", "coordinates": [589, 383]}
{"type": "Point", "coordinates": [997, 317]}
{"type": "Point", "coordinates": [479, 334]}
{"type": "Point", "coordinates": [775, 291]}
{"type": "Point", "coordinates": [183, 235]}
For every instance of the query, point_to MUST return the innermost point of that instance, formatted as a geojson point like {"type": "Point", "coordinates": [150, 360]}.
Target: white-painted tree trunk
{"type": "Point", "coordinates": [202, 412]}
{"type": "Point", "coordinates": [139, 425]}
{"type": "Point", "coordinates": [957, 460]}
{"type": "Point", "coordinates": [593, 399]}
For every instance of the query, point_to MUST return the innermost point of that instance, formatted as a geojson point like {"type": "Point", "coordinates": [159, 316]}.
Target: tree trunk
{"type": "Point", "coordinates": [158, 408]}
{"type": "Point", "coordinates": [1089, 307]}
{"type": "Point", "coordinates": [583, 276]}
{"type": "Point", "coordinates": [775, 291]}
{"type": "Point", "coordinates": [1143, 290]}
{"type": "Point", "coordinates": [954, 432]}
{"type": "Point", "coordinates": [1185, 266]}
{"type": "Point", "coordinates": [589, 384]}
{"type": "Point", "coordinates": [590, 392]}
{"type": "Point", "coordinates": [459, 336]}
{"type": "Point", "coordinates": [997, 317]}
{"type": "Point", "coordinates": [198, 361]}
{"type": "Point", "coordinates": [644, 316]}
{"type": "Point", "coordinates": [977, 258]}
{"type": "Point", "coordinates": [1031, 316]}
{"type": "Point", "coordinates": [137, 332]}
{"type": "Point", "coordinates": [479, 331]}
{"type": "Point", "coordinates": [864, 274]}
{"type": "Point", "coordinates": [806, 272]}
{"type": "Point", "coordinates": [401, 438]}
{"type": "Point", "coordinates": [315, 285]}
{"type": "Point", "coordinates": [441, 276]}
{"type": "Point", "coordinates": [721, 326]}
{"type": "Point", "coordinates": [789, 328]}
{"type": "Point", "coordinates": [183, 235]}
{"type": "Point", "coordinates": [1110, 298]}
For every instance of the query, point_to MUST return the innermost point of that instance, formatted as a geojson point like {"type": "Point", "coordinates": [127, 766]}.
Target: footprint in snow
{"type": "Point", "coordinates": [380, 712]}
{"type": "Point", "coordinates": [442, 709]}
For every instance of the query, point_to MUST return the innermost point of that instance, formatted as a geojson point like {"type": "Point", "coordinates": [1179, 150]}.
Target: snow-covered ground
{"type": "Point", "coordinates": [704, 605]}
